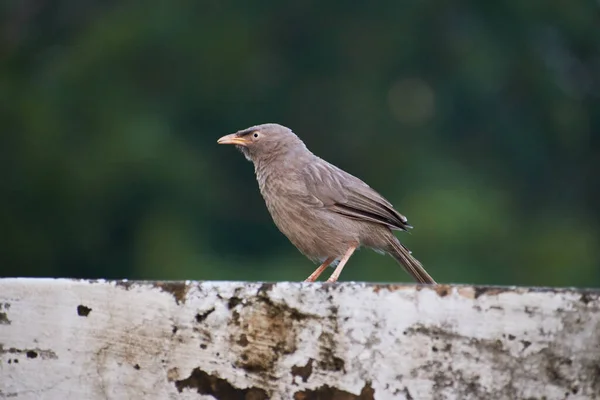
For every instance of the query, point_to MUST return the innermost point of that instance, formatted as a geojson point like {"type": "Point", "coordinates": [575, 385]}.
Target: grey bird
{"type": "Point", "coordinates": [324, 211]}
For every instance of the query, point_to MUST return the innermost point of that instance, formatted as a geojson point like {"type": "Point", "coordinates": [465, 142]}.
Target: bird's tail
{"type": "Point", "coordinates": [410, 264]}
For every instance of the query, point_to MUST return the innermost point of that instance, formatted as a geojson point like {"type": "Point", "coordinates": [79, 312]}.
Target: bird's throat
{"type": "Point", "coordinates": [244, 151]}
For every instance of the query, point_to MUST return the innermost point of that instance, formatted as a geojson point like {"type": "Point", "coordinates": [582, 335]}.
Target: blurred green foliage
{"type": "Point", "coordinates": [479, 120]}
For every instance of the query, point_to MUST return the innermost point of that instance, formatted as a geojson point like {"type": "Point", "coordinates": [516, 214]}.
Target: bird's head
{"type": "Point", "coordinates": [264, 142]}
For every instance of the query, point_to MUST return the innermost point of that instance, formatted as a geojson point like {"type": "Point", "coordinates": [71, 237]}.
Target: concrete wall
{"type": "Point", "coordinates": [72, 339]}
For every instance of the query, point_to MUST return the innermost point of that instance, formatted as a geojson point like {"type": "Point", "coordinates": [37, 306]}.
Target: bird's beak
{"type": "Point", "coordinates": [233, 139]}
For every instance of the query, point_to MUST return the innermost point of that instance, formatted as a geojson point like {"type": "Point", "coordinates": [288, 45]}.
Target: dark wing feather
{"type": "Point", "coordinates": [347, 195]}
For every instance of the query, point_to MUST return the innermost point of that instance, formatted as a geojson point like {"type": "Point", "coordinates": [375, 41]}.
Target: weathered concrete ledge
{"type": "Point", "coordinates": [71, 339]}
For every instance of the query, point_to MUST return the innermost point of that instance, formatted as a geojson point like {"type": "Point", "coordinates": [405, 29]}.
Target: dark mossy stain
{"type": "Point", "coordinates": [303, 371]}
{"type": "Point", "coordinates": [265, 331]}
{"type": "Point", "coordinates": [220, 389]}
{"type": "Point", "coordinates": [177, 289]}
{"type": "Point", "coordinates": [558, 369]}
{"type": "Point", "coordinates": [281, 308]}
{"type": "Point", "coordinates": [327, 392]}
{"type": "Point", "coordinates": [83, 311]}
{"type": "Point", "coordinates": [243, 340]}
{"type": "Point", "coordinates": [233, 301]}
{"type": "Point", "coordinates": [30, 353]}
{"type": "Point", "coordinates": [264, 289]}
{"type": "Point", "coordinates": [443, 290]}
{"type": "Point", "coordinates": [587, 298]}
{"type": "Point", "coordinates": [235, 317]}
{"type": "Point", "coordinates": [200, 317]}
{"type": "Point", "coordinates": [407, 394]}
{"type": "Point", "coordinates": [431, 331]}
{"type": "Point", "coordinates": [4, 319]}
{"type": "Point", "coordinates": [530, 310]}
{"type": "Point", "coordinates": [575, 390]}
{"type": "Point", "coordinates": [125, 284]}
{"type": "Point", "coordinates": [328, 360]}
{"type": "Point", "coordinates": [443, 379]}
{"type": "Point", "coordinates": [490, 290]}
{"type": "Point", "coordinates": [463, 386]}
{"type": "Point", "coordinates": [479, 291]}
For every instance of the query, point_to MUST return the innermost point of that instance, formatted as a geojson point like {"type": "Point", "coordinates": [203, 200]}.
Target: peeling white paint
{"type": "Point", "coordinates": [69, 339]}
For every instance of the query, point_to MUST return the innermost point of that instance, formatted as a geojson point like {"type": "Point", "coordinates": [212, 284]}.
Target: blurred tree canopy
{"type": "Point", "coordinates": [479, 120]}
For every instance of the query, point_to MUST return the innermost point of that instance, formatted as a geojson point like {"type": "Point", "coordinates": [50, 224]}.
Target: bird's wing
{"type": "Point", "coordinates": [347, 195]}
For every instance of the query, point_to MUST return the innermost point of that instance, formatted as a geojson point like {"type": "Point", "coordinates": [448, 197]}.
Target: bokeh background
{"type": "Point", "coordinates": [478, 120]}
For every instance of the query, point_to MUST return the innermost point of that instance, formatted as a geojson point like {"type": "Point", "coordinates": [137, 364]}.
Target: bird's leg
{"type": "Point", "coordinates": [315, 275]}
{"type": "Point", "coordinates": [338, 270]}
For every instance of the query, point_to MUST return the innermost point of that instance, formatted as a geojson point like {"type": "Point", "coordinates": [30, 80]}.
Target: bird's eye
{"type": "Point", "coordinates": [255, 135]}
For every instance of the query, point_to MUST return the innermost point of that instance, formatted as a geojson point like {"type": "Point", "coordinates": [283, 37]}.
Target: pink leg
{"type": "Point", "coordinates": [315, 275]}
{"type": "Point", "coordinates": [338, 270]}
